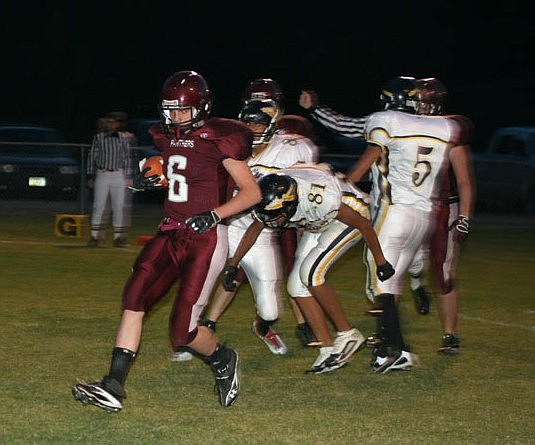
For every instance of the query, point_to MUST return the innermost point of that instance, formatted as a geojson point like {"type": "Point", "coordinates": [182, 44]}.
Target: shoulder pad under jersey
{"type": "Point", "coordinates": [233, 137]}
{"type": "Point", "coordinates": [465, 129]}
{"type": "Point", "coordinates": [218, 127]}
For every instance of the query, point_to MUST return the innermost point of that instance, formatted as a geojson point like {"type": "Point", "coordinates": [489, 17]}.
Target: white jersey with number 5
{"type": "Point", "coordinates": [415, 155]}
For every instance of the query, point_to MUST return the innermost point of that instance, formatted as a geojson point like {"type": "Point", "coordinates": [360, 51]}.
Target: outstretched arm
{"type": "Point", "coordinates": [352, 127]}
{"type": "Point", "coordinates": [348, 216]}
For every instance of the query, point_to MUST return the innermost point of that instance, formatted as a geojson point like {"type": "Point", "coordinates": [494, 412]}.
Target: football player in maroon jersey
{"type": "Point", "coordinates": [203, 159]}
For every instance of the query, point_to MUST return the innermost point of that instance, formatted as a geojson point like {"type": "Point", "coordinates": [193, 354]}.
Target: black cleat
{"type": "Point", "coordinates": [403, 360]}
{"type": "Point", "coordinates": [450, 344]}
{"type": "Point", "coordinates": [99, 394]}
{"type": "Point", "coordinates": [227, 379]}
{"type": "Point", "coordinates": [422, 300]}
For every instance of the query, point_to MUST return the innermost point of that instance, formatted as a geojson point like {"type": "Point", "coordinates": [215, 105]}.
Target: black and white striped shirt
{"type": "Point", "coordinates": [352, 127]}
{"type": "Point", "coordinates": [112, 151]}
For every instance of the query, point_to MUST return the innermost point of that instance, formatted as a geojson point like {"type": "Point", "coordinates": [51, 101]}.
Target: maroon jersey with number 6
{"type": "Point", "coordinates": [193, 165]}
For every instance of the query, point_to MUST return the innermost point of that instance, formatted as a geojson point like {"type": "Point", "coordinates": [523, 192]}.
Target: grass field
{"type": "Point", "coordinates": [60, 309]}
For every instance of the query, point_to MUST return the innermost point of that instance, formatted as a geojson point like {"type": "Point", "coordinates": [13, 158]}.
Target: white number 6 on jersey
{"type": "Point", "coordinates": [178, 187]}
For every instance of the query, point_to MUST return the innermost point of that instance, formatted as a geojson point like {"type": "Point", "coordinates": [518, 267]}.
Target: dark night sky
{"type": "Point", "coordinates": [66, 63]}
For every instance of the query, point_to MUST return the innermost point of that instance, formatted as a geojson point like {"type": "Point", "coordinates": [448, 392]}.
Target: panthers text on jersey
{"type": "Point", "coordinates": [193, 165]}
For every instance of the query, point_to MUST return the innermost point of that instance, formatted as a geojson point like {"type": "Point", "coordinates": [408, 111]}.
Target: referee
{"type": "Point", "coordinates": [109, 168]}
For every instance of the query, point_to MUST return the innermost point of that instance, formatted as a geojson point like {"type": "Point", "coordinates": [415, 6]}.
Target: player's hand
{"type": "Point", "coordinates": [229, 278]}
{"type": "Point", "coordinates": [385, 271]}
{"type": "Point", "coordinates": [308, 99]}
{"type": "Point", "coordinates": [461, 228]}
{"type": "Point", "coordinates": [203, 221]}
{"type": "Point", "coordinates": [140, 182]}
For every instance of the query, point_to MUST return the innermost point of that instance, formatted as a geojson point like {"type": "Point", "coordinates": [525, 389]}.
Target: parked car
{"type": "Point", "coordinates": [505, 171]}
{"type": "Point", "coordinates": [35, 161]}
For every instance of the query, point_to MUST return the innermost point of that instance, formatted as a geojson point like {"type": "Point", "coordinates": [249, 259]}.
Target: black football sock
{"type": "Point", "coordinates": [391, 325]}
{"type": "Point", "coordinates": [262, 326]}
{"type": "Point", "coordinates": [220, 355]}
{"type": "Point", "coordinates": [209, 324]}
{"type": "Point", "coordinates": [121, 359]}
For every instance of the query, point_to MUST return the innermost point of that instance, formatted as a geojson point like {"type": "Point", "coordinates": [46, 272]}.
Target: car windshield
{"type": "Point", "coordinates": [17, 134]}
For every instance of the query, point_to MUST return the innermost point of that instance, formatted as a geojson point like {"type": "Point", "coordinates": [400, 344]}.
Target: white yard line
{"type": "Point", "coordinates": [498, 323]}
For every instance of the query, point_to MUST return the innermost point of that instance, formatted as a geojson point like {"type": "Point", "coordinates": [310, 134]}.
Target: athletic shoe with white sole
{"type": "Point", "coordinates": [182, 355]}
{"type": "Point", "coordinates": [272, 340]}
{"type": "Point", "coordinates": [395, 362]}
{"type": "Point", "coordinates": [100, 394]}
{"type": "Point", "coordinates": [227, 380]}
{"type": "Point", "coordinates": [450, 344]}
{"type": "Point", "coordinates": [345, 345]}
{"type": "Point", "coordinates": [319, 366]}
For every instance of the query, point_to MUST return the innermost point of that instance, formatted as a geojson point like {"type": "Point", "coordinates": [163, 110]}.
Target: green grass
{"type": "Point", "coordinates": [60, 311]}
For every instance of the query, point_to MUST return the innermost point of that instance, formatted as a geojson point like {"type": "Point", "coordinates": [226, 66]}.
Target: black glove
{"type": "Point", "coordinates": [140, 182]}
{"type": "Point", "coordinates": [385, 271]}
{"type": "Point", "coordinates": [229, 278]}
{"type": "Point", "coordinates": [203, 221]}
{"type": "Point", "coordinates": [461, 228]}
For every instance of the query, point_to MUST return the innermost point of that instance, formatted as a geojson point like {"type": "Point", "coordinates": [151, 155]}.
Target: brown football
{"type": "Point", "coordinates": [156, 168]}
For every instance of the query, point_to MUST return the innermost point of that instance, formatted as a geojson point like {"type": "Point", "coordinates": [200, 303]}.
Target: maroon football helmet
{"type": "Point", "coordinates": [264, 89]}
{"type": "Point", "coordinates": [186, 89]}
{"type": "Point", "coordinates": [293, 123]}
{"type": "Point", "coordinates": [433, 95]}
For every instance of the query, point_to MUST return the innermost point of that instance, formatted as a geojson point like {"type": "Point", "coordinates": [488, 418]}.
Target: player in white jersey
{"type": "Point", "coordinates": [334, 216]}
{"type": "Point", "coordinates": [273, 149]}
{"type": "Point", "coordinates": [353, 127]}
{"type": "Point", "coordinates": [413, 155]}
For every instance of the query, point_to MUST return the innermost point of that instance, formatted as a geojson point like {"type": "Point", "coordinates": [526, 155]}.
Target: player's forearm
{"type": "Point", "coordinates": [249, 238]}
{"type": "Point", "coordinates": [344, 125]}
{"type": "Point", "coordinates": [363, 165]}
{"type": "Point", "coordinates": [370, 237]}
{"type": "Point", "coordinates": [243, 200]}
{"type": "Point", "coordinates": [350, 217]}
{"type": "Point", "coordinates": [467, 198]}
{"type": "Point", "coordinates": [464, 177]}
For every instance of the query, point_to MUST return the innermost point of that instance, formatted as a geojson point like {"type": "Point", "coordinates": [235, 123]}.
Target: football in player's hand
{"type": "Point", "coordinates": [155, 165]}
